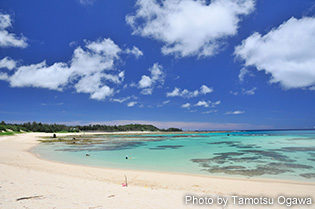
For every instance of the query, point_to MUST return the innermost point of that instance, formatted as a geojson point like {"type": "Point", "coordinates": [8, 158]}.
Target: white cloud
{"type": "Point", "coordinates": [4, 76]}
{"type": "Point", "coordinates": [163, 103]}
{"type": "Point", "coordinates": [40, 75]}
{"type": "Point", "coordinates": [235, 93]}
{"type": "Point", "coordinates": [8, 63]}
{"type": "Point", "coordinates": [187, 105]}
{"type": "Point", "coordinates": [121, 100]}
{"type": "Point", "coordinates": [243, 73]}
{"type": "Point", "coordinates": [189, 94]}
{"type": "Point", "coordinates": [86, 2]}
{"type": "Point", "coordinates": [135, 51]}
{"type": "Point", "coordinates": [286, 53]}
{"type": "Point", "coordinates": [157, 77]}
{"type": "Point", "coordinates": [166, 102]}
{"type": "Point", "coordinates": [9, 39]}
{"type": "Point", "coordinates": [145, 82]}
{"type": "Point", "coordinates": [214, 104]}
{"type": "Point", "coordinates": [92, 84]}
{"type": "Point", "coordinates": [236, 112]}
{"type": "Point", "coordinates": [147, 91]}
{"type": "Point", "coordinates": [203, 103]}
{"type": "Point", "coordinates": [51, 104]}
{"type": "Point", "coordinates": [91, 70]}
{"type": "Point", "coordinates": [131, 104]}
{"type": "Point", "coordinates": [132, 84]}
{"type": "Point", "coordinates": [102, 92]}
{"type": "Point", "coordinates": [205, 89]}
{"type": "Point", "coordinates": [189, 27]}
{"type": "Point", "coordinates": [249, 92]}
{"type": "Point", "coordinates": [5, 21]}
{"type": "Point", "coordinates": [209, 112]}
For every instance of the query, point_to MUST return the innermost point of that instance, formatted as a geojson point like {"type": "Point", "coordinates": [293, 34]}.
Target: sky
{"type": "Point", "coordinates": [191, 64]}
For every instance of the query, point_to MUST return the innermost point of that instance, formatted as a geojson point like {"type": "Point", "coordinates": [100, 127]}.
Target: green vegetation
{"type": "Point", "coordinates": [6, 133]}
{"type": "Point", "coordinates": [10, 129]}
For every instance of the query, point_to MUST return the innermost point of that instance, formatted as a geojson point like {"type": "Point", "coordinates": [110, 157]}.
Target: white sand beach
{"type": "Point", "coordinates": [57, 185]}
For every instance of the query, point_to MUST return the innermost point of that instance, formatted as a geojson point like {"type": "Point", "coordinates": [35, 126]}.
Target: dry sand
{"type": "Point", "coordinates": [58, 185]}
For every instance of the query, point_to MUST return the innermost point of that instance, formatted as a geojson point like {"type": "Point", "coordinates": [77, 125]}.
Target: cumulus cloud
{"type": "Point", "coordinates": [205, 89]}
{"type": "Point", "coordinates": [131, 104]}
{"type": "Point", "coordinates": [177, 92]}
{"type": "Point", "coordinates": [145, 82]}
{"type": "Point", "coordinates": [91, 70]}
{"type": "Point", "coordinates": [157, 77]}
{"type": "Point", "coordinates": [41, 75]}
{"type": "Point", "coordinates": [8, 39]}
{"type": "Point", "coordinates": [203, 103]}
{"type": "Point", "coordinates": [4, 76]}
{"type": "Point", "coordinates": [236, 112]}
{"type": "Point", "coordinates": [187, 105]}
{"type": "Point", "coordinates": [135, 51]}
{"type": "Point", "coordinates": [189, 27]}
{"type": "Point", "coordinates": [8, 63]}
{"type": "Point", "coordinates": [286, 53]}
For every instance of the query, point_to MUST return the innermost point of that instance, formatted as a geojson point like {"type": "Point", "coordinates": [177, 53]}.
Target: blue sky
{"type": "Point", "coordinates": [220, 64]}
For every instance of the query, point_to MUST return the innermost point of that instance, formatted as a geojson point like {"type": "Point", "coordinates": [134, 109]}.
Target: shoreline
{"type": "Point", "coordinates": [16, 155]}
{"type": "Point", "coordinates": [245, 178]}
{"type": "Point", "coordinates": [284, 181]}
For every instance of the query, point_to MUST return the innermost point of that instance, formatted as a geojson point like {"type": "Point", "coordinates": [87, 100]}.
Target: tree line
{"type": "Point", "coordinates": [51, 128]}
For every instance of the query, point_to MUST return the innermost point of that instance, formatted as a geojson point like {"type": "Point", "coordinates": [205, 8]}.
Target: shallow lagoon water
{"type": "Point", "coordinates": [288, 155]}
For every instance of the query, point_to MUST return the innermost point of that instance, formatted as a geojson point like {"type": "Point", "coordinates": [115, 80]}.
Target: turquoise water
{"type": "Point", "coordinates": [288, 155]}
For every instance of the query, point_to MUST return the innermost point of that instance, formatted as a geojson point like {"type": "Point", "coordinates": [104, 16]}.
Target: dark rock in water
{"type": "Point", "coordinates": [249, 146]}
{"type": "Point", "coordinates": [296, 139]}
{"type": "Point", "coordinates": [297, 149]}
{"type": "Point", "coordinates": [308, 175]}
{"type": "Point", "coordinates": [234, 167]}
{"type": "Point", "coordinates": [247, 158]}
{"type": "Point", "coordinates": [271, 153]}
{"type": "Point", "coordinates": [87, 155]}
{"type": "Point", "coordinates": [166, 147]}
{"type": "Point", "coordinates": [202, 160]}
{"type": "Point", "coordinates": [107, 147]}
{"type": "Point", "coordinates": [225, 142]}
{"type": "Point", "coordinates": [289, 165]}
{"type": "Point", "coordinates": [229, 153]}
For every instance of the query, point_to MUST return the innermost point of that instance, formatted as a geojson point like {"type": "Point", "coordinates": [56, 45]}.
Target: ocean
{"type": "Point", "coordinates": [286, 155]}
